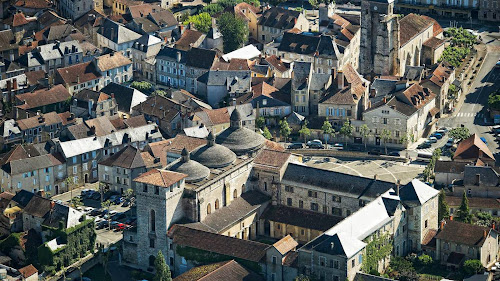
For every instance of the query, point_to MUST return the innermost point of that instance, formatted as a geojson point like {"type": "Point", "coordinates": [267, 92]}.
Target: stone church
{"type": "Point", "coordinates": [388, 42]}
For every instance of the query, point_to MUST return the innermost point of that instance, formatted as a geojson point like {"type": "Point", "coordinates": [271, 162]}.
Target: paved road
{"type": "Point", "coordinates": [473, 114]}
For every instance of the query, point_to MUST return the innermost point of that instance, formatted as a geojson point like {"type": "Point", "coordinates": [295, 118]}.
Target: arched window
{"type": "Point", "coordinates": [152, 260]}
{"type": "Point", "coordinates": [235, 194]}
{"type": "Point", "coordinates": [217, 204]}
{"type": "Point", "coordinates": [209, 209]}
{"type": "Point", "coordinates": [152, 220]}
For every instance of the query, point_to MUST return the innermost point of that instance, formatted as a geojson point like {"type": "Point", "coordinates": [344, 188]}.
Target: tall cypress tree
{"type": "Point", "coordinates": [443, 208]}
{"type": "Point", "coordinates": [162, 269]}
{"type": "Point", "coordinates": [463, 213]}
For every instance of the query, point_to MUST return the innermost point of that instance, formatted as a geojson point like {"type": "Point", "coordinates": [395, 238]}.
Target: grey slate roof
{"type": "Point", "coordinates": [325, 179]}
{"type": "Point", "coordinates": [117, 32]}
{"type": "Point", "coordinates": [125, 97]}
{"type": "Point", "coordinates": [128, 157]}
{"type": "Point", "coordinates": [487, 175]}
{"type": "Point", "coordinates": [7, 41]}
{"type": "Point", "coordinates": [279, 18]}
{"type": "Point", "coordinates": [221, 77]}
{"type": "Point", "coordinates": [213, 155]}
{"type": "Point", "coordinates": [184, 165]}
{"type": "Point", "coordinates": [239, 139]}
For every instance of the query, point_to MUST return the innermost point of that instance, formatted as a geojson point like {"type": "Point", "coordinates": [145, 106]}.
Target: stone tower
{"type": "Point", "coordinates": [379, 42]}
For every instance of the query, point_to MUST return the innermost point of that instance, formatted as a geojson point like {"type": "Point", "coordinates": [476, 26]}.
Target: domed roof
{"type": "Point", "coordinates": [239, 139]}
{"type": "Point", "coordinates": [194, 170]}
{"type": "Point", "coordinates": [213, 155]}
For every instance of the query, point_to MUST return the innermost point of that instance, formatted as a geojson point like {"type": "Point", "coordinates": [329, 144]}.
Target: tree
{"type": "Point", "coordinates": [142, 86]}
{"type": "Point", "coordinates": [459, 133]}
{"type": "Point", "coordinates": [302, 278]}
{"type": "Point", "coordinates": [385, 135]}
{"type": "Point", "coordinates": [70, 182]}
{"type": "Point", "coordinates": [405, 139]}
{"type": "Point", "coordinates": [472, 267]}
{"type": "Point", "coordinates": [346, 130]}
{"type": "Point", "coordinates": [202, 22]}
{"type": "Point", "coordinates": [327, 130]}
{"type": "Point", "coordinates": [260, 122]}
{"type": "Point", "coordinates": [443, 208]}
{"type": "Point", "coordinates": [234, 31]}
{"type": "Point", "coordinates": [425, 260]}
{"type": "Point", "coordinates": [314, 3]}
{"type": "Point", "coordinates": [266, 133]}
{"type": "Point", "coordinates": [285, 130]}
{"type": "Point", "coordinates": [76, 202]}
{"type": "Point", "coordinates": [213, 9]}
{"type": "Point", "coordinates": [364, 131]}
{"type": "Point", "coordinates": [494, 100]}
{"type": "Point", "coordinates": [483, 219]}
{"type": "Point", "coordinates": [128, 194]}
{"type": "Point", "coordinates": [106, 205]}
{"type": "Point", "coordinates": [305, 131]}
{"type": "Point", "coordinates": [162, 269]}
{"type": "Point", "coordinates": [463, 212]}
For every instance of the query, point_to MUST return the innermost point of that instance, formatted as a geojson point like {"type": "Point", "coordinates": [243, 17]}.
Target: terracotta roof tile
{"type": "Point", "coordinates": [174, 145]}
{"type": "Point", "coordinates": [300, 217]}
{"type": "Point", "coordinates": [28, 271]}
{"type": "Point", "coordinates": [463, 233]}
{"type": "Point", "coordinates": [33, 4]}
{"type": "Point", "coordinates": [410, 26]}
{"type": "Point", "coordinates": [436, 28]}
{"type": "Point", "coordinates": [285, 244]}
{"type": "Point", "coordinates": [433, 42]}
{"type": "Point", "coordinates": [19, 19]}
{"type": "Point", "coordinates": [43, 97]}
{"type": "Point", "coordinates": [226, 270]}
{"type": "Point", "coordinates": [111, 61]}
{"type": "Point", "coordinates": [216, 243]}
{"type": "Point", "coordinates": [188, 37]}
{"type": "Point", "coordinates": [271, 159]}
{"type": "Point", "coordinates": [84, 71]}
{"type": "Point", "coordinates": [275, 62]}
{"type": "Point", "coordinates": [161, 178]}
{"type": "Point", "coordinates": [474, 202]}
{"type": "Point", "coordinates": [417, 96]}
{"type": "Point", "coordinates": [470, 149]}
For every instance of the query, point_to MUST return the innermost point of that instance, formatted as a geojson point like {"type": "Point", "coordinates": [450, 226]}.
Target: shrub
{"type": "Point", "coordinates": [472, 267]}
{"type": "Point", "coordinates": [424, 260]}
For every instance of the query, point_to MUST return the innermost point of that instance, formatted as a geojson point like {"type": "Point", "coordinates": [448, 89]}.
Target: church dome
{"type": "Point", "coordinates": [213, 155]}
{"type": "Point", "coordinates": [239, 139]}
{"type": "Point", "coordinates": [194, 170]}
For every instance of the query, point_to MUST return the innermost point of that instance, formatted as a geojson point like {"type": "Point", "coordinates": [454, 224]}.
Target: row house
{"type": "Point", "coordinates": [439, 83]}
{"type": "Point", "coordinates": [489, 10]}
{"type": "Point", "coordinates": [347, 99]}
{"type": "Point", "coordinates": [116, 37]}
{"type": "Point", "coordinates": [181, 69]}
{"type": "Point", "coordinates": [444, 8]}
{"type": "Point", "coordinates": [408, 113]}
{"type": "Point", "coordinates": [217, 120]}
{"type": "Point", "coordinates": [150, 19]}
{"type": "Point", "coordinates": [217, 85]}
{"type": "Point", "coordinates": [42, 127]}
{"type": "Point", "coordinates": [83, 155]}
{"type": "Point", "coordinates": [276, 21]}
{"type": "Point", "coordinates": [75, 9]}
{"type": "Point", "coordinates": [307, 88]}
{"type": "Point", "coordinates": [43, 101]}
{"type": "Point", "coordinates": [79, 77]}
{"type": "Point", "coordinates": [24, 168]}
{"type": "Point", "coordinates": [144, 50]}
{"type": "Point", "coordinates": [90, 104]}
{"type": "Point", "coordinates": [51, 57]}
{"type": "Point", "coordinates": [119, 170]}
{"type": "Point", "coordinates": [114, 67]}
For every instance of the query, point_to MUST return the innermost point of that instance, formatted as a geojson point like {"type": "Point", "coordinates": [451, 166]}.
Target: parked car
{"type": "Point", "coordinates": [375, 152]}
{"type": "Point", "coordinates": [118, 200]}
{"type": "Point", "coordinates": [444, 129]}
{"type": "Point", "coordinates": [338, 145]}
{"type": "Point", "coordinates": [394, 153]}
{"type": "Point", "coordinates": [437, 135]}
{"type": "Point", "coordinates": [314, 141]}
{"type": "Point", "coordinates": [296, 145]}
{"type": "Point", "coordinates": [450, 142]}
{"type": "Point", "coordinates": [424, 145]}
{"type": "Point", "coordinates": [433, 139]}
{"type": "Point", "coordinates": [315, 145]}
{"type": "Point", "coordinates": [87, 210]}
{"type": "Point", "coordinates": [102, 224]}
{"type": "Point", "coordinates": [119, 216]}
{"type": "Point", "coordinates": [95, 212]}
{"type": "Point", "coordinates": [95, 196]}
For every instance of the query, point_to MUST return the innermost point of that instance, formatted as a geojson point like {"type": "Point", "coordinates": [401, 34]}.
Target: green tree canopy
{"type": "Point", "coordinates": [327, 130]}
{"type": "Point", "coordinates": [304, 131]}
{"type": "Point", "coordinates": [346, 130]}
{"type": "Point", "coordinates": [494, 100]}
{"type": "Point", "coordinates": [202, 22]}
{"type": "Point", "coordinates": [459, 133]}
{"type": "Point", "coordinates": [260, 122]}
{"type": "Point", "coordinates": [213, 9]}
{"type": "Point", "coordinates": [142, 86]}
{"type": "Point", "coordinates": [385, 135]}
{"type": "Point", "coordinates": [162, 269]}
{"type": "Point", "coordinates": [472, 267]}
{"type": "Point", "coordinates": [266, 133]}
{"type": "Point", "coordinates": [443, 208]}
{"type": "Point", "coordinates": [234, 31]}
{"type": "Point", "coordinates": [463, 212]}
{"type": "Point", "coordinates": [285, 130]}
{"type": "Point", "coordinates": [364, 131]}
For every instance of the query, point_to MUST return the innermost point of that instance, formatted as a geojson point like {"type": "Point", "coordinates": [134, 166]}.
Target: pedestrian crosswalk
{"type": "Point", "coordinates": [470, 114]}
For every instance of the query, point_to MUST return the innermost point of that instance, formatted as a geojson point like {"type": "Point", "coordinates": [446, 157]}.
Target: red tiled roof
{"type": "Point", "coordinates": [188, 37]}
{"type": "Point", "coordinates": [418, 96]}
{"type": "Point", "coordinates": [111, 61]}
{"type": "Point", "coordinates": [436, 28]}
{"type": "Point", "coordinates": [463, 233]}
{"type": "Point", "coordinates": [28, 271]}
{"type": "Point", "coordinates": [276, 63]}
{"type": "Point", "coordinates": [43, 97]}
{"type": "Point", "coordinates": [271, 159]}
{"type": "Point", "coordinates": [474, 202]}
{"type": "Point", "coordinates": [433, 42]}
{"type": "Point", "coordinates": [285, 244]}
{"type": "Point", "coordinates": [161, 178]}
{"type": "Point", "coordinates": [471, 147]}
{"type": "Point", "coordinates": [33, 4]}
{"type": "Point", "coordinates": [19, 19]}
{"type": "Point", "coordinates": [84, 71]}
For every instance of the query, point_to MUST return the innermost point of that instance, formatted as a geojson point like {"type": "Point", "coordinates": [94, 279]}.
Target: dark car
{"type": "Point", "coordinates": [316, 145]}
{"type": "Point", "coordinates": [95, 212]}
{"type": "Point", "coordinates": [102, 224]}
{"type": "Point", "coordinates": [424, 145]}
{"type": "Point", "coordinates": [438, 136]}
{"type": "Point", "coordinates": [394, 153]}
{"type": "Point", "coordinates": [95, 196]}
{"type": "Point", "coordinates": [296, 145]}
{"type": "Point", "coordinates": [118, 216]}
{"type": "Point", "coordinates": [375, 152]}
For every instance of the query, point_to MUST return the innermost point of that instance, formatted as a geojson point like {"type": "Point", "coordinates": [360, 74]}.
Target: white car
{"type": "Point", "coordinates": [88, 209]}
{"type": "Point", "coordinates": [433, 139]}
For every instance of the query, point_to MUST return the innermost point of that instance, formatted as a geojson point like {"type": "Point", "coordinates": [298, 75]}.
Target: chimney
{"type": "Point", "coordinates": [78, 79]}
{"type": "Point", "coordinates": [451, 217]}
{"type": "Point", "coordinates": [14, 84]}
{"type": "Point", "coordinates": [478, 179]}
{"type": "Point", "coordinates": [375, 177]}
{"type": "Point", "coordinates": [373, 93]}
{"type": "Point", "coordinates": [340, 80]}
{"type": "Point", "coordinates": [233, 102]}
{"type": "Point", "coordinates": [441, 226]}
{"type": "Point", "coordinates": [398, 184]}
{"type": "Point", "coordinates": [112, 95]}
{"type": "Point", "coordinates": [485, 234]}
{"type": "Point", "coordinates": [384, 100]}
{"type": "Point", "coordinates": [92, 130]}
{"type": "Point", "coordinates": [493, 225]}
{"type": "Point", "coordinates": [52, 205]}
{"type": "Point", "coordinates": [179, 56]}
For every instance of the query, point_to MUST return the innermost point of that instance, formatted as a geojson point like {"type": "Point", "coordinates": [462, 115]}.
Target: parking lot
{"type": "Point", "coordinates": [385, 170]}
{"type": "Point", "coordinates": [120, 216]}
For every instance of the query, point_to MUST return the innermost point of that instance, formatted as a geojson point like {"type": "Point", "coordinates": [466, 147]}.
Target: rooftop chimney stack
{"type": "Point", "coordinates": [340, 80]}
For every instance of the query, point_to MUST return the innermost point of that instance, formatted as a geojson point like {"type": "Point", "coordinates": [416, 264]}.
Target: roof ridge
{"type": "Point", "coordinates": [226, 263]}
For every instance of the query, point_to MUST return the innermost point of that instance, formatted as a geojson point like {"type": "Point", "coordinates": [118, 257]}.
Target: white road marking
{"type": "Point", "coordinates": [394, 177]}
